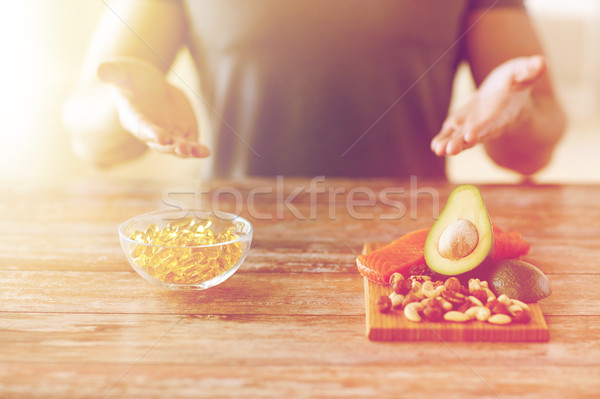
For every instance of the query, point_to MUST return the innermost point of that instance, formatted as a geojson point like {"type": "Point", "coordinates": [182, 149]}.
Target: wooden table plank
{"type": "Point", "coordinates": [102, 252]}
{"type": "Point", "coordinates": [243, 293]}
{"type": "Point", "coordinates": [291, 321]}
{"type": "Point", "coordinates": [126, 292]}
{"type": "Point", "coordinates": [456, 380]}
{"type": "Point", "coordinates": [259, 340]}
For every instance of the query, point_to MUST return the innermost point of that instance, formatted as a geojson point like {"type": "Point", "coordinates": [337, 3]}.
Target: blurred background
{"type": "Point", "coordinates": [43, 44]}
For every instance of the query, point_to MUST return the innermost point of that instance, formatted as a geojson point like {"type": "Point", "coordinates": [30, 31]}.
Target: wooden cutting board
{"type": "Point", "coordinates": [394, 326]}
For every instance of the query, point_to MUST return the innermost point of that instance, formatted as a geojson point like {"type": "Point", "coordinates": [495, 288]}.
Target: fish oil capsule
{"type": "Point", "coordinates": [176, 255]}
{"type": "Point", "coordinates": [138, 250]}
{"type": "Point", "coordinates": [152, 230]}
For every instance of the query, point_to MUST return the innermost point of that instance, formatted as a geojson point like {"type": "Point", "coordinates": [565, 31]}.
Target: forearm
{"type": "Point", "coordinates": [496, 37]}
{"type": "Point", "coordinates": [528, 146]}
{"type": "Point", "coordinates": [152, 31]}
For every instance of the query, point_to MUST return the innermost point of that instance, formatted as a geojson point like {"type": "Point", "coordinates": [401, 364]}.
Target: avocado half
{"type": "Point", "coordinates": [462, 238]}
{"type": "Point", "coordinates": [518, 280]}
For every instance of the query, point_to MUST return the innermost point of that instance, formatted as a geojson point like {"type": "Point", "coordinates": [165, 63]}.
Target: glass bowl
{"type": "Point", "coordinates": [186, 249]}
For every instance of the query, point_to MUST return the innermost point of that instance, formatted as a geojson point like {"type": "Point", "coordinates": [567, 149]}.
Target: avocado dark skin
{"type": "Point", "coordinates": [518, 280]}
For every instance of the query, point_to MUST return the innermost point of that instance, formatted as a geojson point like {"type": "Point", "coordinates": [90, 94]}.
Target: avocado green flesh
{"type": "Point", "coordinates": [518, 280]}
{"type": "Point", "coordinates": [464, 203]}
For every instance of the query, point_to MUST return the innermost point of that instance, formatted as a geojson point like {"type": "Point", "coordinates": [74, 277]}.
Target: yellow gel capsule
{"type": "Point", "coordinates": [152, 229]}
{"type": "Point", "coordinates": [138, 250]}
{"type": "Point", "coordinates": [176, 255]}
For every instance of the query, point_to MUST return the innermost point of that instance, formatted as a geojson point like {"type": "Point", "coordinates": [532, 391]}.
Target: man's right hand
{"type": "Point", "coordinates": [151, 108]}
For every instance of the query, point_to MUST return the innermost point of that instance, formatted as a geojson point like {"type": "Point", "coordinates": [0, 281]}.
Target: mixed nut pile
{"type": "Point", "coordinates": [420, 298]}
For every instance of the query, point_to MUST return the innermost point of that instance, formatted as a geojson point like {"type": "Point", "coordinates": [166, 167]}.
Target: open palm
{"type": "Point", "coordinates": [151, 108]}
{"type": "Point", "coordinates": [501, 103]}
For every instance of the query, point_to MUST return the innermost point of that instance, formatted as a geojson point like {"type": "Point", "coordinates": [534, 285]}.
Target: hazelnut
{"type": "Point", "coordinates": [433, 312]}
{"type": "Point", "coordinates": [384, 304]}
{"type": "Point", "coordinates": [464, 290]}
{"type": "Point", "coordinates": [452, 284]}
{"type": "Point", "coordinates": [521, 316]}
{"type": "Point", "coordinates": [491, 303]}
{"type": "Point", "coordinates": [402, 287]}
{"type": "Point", "coordinates": [394, 278]}
{"type": "Point", "coordinates": [499, 308]}
{"type": "Point", "coordinates": [435, 302]}
{"type": "Point", "coordinates": [480, 294]}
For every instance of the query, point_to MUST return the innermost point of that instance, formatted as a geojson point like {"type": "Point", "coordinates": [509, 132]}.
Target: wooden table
{"type": "Point", "coordinates": [76, 321]}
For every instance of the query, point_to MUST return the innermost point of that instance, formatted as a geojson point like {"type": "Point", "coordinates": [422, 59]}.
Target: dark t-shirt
{"type": "Point", "coordinates": [328, 87]}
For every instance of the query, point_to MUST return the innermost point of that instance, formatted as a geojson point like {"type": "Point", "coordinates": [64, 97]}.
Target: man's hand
{"type": "Point", "coordinates": [152, 109]}
{"type": "Point", "coordinates": [502, 104]}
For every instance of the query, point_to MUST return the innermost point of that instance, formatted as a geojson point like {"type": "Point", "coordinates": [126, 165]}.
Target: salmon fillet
{"type": "Point", "coordinates": [407, 251]}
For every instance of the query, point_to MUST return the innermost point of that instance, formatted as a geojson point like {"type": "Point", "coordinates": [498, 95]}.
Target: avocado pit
{"type": "Point", "coordinates": [462, 238]}
{"type": "Point", "coordinates": [458, 240]}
